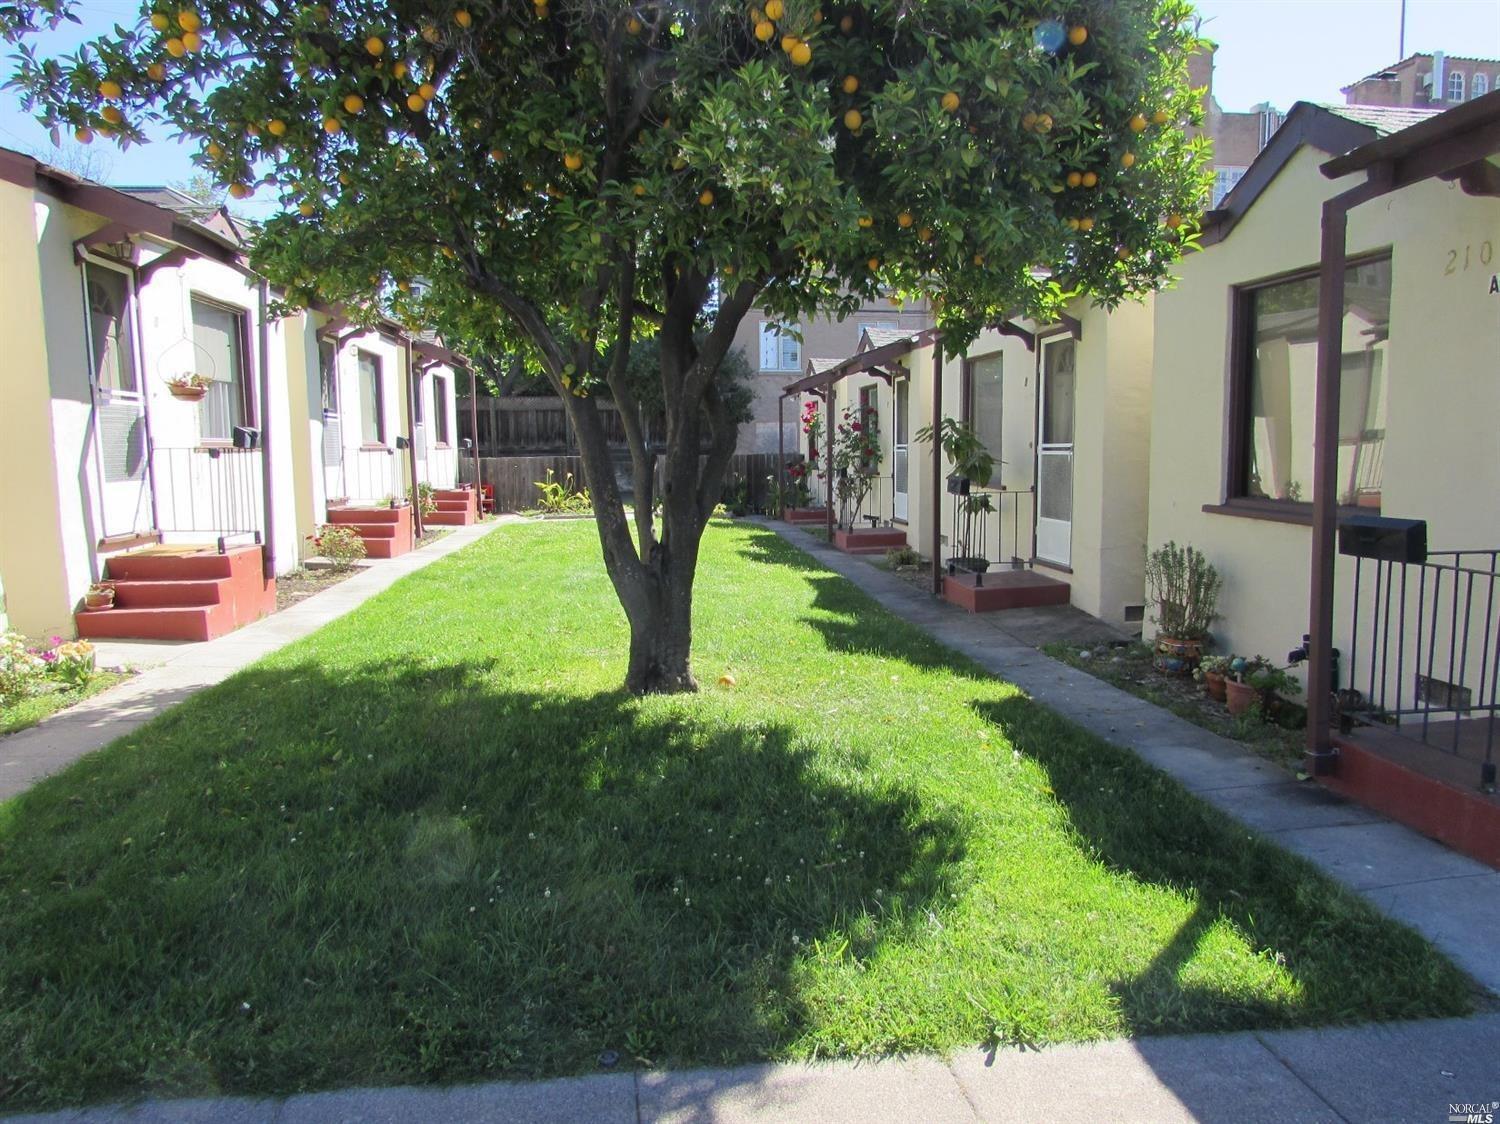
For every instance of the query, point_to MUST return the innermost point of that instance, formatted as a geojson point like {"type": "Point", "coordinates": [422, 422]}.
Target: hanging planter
{"type": "Point", "coordinates": [190, 387]}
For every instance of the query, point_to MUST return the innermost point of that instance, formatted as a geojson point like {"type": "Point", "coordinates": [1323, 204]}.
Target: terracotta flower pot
{"type": "Point", "coordinates": [1240, 696]}
{"type": "Point", "coordinates": [99, 599]}
{"type": "Point", "coordinates": [1175, 656]}
{"type": "Point", "coordinates": [187, 393]}
{"type": "Point", "coordinates": [1214, 683]}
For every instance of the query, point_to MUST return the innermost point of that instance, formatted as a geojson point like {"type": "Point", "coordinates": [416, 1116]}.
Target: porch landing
{"type": "Point", "coordinates": [1422, 786]}
{"type": "Point", "coordinates": [1003, 589]}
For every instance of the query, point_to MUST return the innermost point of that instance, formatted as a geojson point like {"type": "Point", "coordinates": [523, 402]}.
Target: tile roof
{"type": "Point", "coordinates": [1384, 119]}
{"type": "Point", "coordinates": [880, 337]}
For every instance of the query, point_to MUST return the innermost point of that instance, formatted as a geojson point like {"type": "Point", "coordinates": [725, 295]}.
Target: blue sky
{"type": "Point", "coordinates": [1279, 51]}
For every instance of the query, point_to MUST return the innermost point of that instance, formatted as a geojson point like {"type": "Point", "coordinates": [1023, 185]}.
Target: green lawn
{"type": "Point", "coordinates": [433, 842]}
{"type": "Point", "coordinates": [27, 712]}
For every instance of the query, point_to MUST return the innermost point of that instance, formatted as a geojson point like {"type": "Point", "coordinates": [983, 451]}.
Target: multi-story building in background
{"type": "Point", "coordinates": [1426, 81]}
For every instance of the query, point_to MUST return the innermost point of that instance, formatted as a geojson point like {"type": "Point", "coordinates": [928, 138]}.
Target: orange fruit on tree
{"type": "Point", "coordinates": [801, 54]}
{"type": "Point", "coordinates": [904, 219]}
{"type": "Point", "coordinates": [925, 234]}
{"type": "Point", "coordinates": [353, 103]}
{"type": "Point", "coordinates": [865, 222]}
{"type": "Point", "coordinates": [1073, 224]}
{"type": "Point", "coordinates": [851, 84]}
{"type": "Point", "coordinates": [192, 41]}
{"type": "Point", "coordinates": [430, 33]}
{"type": "Point", "coordinates": [1174, 220]}
{"type": "Point", "coordinates": [765, 31]}
{"type": "Point", "coordinates": [846, 25]}
{"type": "Point", "coordinates": [978, 259]}
{"type": "Point", "coordinates": [1127, 160]}
{"type": "Point", "coordinates": [331, 125]}
{"type": "Point", "coordinates": [416, 103]}
{"type": "Point", "coordinates": [1028, 120]}
{"type": "Point", "coordinates": [1123, 253]}
{"type": "Point", "coordinates": [950, 102]}
{"type": "Point", "coordinates": [1078, 35]}
{"type": "Point", "coordinates": [307, 209]}
{"type": "Point", "coordinates": [1044, 122]}
{"type": "Point", "coordinates": [156, 72]}
{"type": "Point", "coordinates": [1090, 179]}
{"type": "Point", "coordinates": [214, 151]}
{"type": "Point", "coordinates": [448, 252]}
{"type": "Point", "coordinates": [398, 69]}
{"type": "Point", "coordinates": [188, 20]}
{"type": "Point", "coordinates": [874, 264]}
{"type": "Point", "coordinates": [639, 190]}
{"type": "Point", "coordinates": [375, 45]}
{"type": "Point", "coordinates": [573, 161]}
{"type": "Point", "coordinates": [496, 155]}
{"type": "Point", "coordinates": [707, 198]}
{"type": "Point", "coordinates": [175, 47]}
{"type": "Point", "coordinates": [111, 114]}
{"type": "Point", "coordinates": [853, 120]}
{"type": "Point", "coordinates": [427, 90]}
{"type": "Point", "coordinates": [634, 26]}
{"type": "Point", "coordinates": [1138, 123]}
{"type": "Point", "coordinates": [1086, 223]}
{"type": "Point", "coordinates": [1159, 117]}
{"type": "Point", "coordinates": [463, 19]}
{"type": "Point", "coordinates": [1075, 178]}
{"type": "Point", "coordinates": [239, 190]}
{"type": "Point", "coordinates": [110, 89]}
{"type": "Point", "coordinates": [775, 9]}
{"type": "Point", "coordinates": [276, 127]}
{"type": "Point", "coordinates": [160, 21]}
{"type": "Point", "coordinates": [83, 135]}
{"type": "Point", "coordinates": [788, 42]}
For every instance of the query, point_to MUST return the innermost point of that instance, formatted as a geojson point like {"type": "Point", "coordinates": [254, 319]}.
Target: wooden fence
{"type": "Point", "coordinates": [515, 478]}
{"type": "Point", "coordinates": [514, 426]}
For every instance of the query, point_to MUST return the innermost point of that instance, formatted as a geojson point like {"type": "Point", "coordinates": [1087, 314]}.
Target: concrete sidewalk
{"type": "Point", "coordinates": [1391, 1073]}
{"type": "Point", "coordinates": [173, 672]}
{"type": "Point", "coordinates": [1452, 900]}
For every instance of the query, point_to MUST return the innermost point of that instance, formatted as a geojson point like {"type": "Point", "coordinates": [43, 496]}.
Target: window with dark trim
{"type": "Point", "coordinates": [869, 421]}
{"type": "Point", "coordinates": [1273, 384]}
{"type": "Point", "coordinates": [371, 398]}
{"type": "Point", "coordinates": [328, 376]}
{"type": "Point", "coordinates": [221, 349]}
{"type": "Point", "coordinates": [440, 408]}
{"type": "Point", "coordinates": [982, 394]}
{"type": "Point", "coordinates": [418, 405]}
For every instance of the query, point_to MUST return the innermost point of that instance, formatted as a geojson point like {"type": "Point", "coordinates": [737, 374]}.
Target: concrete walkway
{"type": "Point", "coordinates": [1418, 1072]}
{"type": "Point", "coordinates": [173, 672]}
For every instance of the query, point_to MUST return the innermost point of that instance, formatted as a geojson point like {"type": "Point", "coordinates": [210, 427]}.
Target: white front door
{"type": "Point", "coordinates": [1054, 481]}
{"type": "Point", "coordinates": [121, 445]}
{"type": "Point", "coordinates": [901, 451]}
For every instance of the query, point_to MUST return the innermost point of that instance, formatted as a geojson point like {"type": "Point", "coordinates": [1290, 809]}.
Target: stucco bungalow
{"type": "Point", "coordinates": [189, 494]}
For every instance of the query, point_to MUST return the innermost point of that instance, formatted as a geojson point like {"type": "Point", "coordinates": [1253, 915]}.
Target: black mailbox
{"type": "Point", "coordinates": [958, 485]}
{"type": "Point", "coordinates": [402, 442]}
{"type": "Point", "coordinates": [246, 437]}
{"type": "Point", "coordinates": [465, 444]}
{"type": "Point", "coordinates": [1383, 539]}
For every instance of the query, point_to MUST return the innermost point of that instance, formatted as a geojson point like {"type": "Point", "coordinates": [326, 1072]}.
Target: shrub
{"type": "Point", "coordinates": [341, 545]}
{"type": "Point", "coordinates": [72, 662]}
{"type": "Point", "coordinates": [1185, 588]}
{"type": "Point", "coordinates": [426, 499]}
{"type": "Point", "coordinates": [561, 498]}
{"type": "Point", "coordinates": [21, 669]}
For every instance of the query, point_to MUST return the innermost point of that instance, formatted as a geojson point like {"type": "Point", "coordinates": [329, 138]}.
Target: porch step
{"type": "Point", "coordinates": [805, 515]}
{"type": "Point", "coordinates": [168, 594]}
{"type": "Point", "coordinates": [445, 518]}
{"type": "Point", "coordinates": [454, 494]}
{"type": "Point", "coordinates": [192, 622]}
{"type": "Point", "coordinates": [444, 504]}
{"type": "Point", "coordinates": [1004, 589]}
{"type": "Point", "coordinates": [386, 531]}
{"type": "Point", "coordinates": [866, 541]}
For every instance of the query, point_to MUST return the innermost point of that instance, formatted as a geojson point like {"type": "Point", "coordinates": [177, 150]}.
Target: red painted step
{"type": "Point", "coordinates": [387, 531]}
{"type": "Point", "coordinates": [165, 594]}
{"type": "Point", "coordinates": [450, 518]}
{"type": "Point", "coordinates": [864, 540]}
{"type": "Point", "coordinates": [1003, 589]}
{"type": "Point", "coordinates": [193, 622]}
{"type": "Point", "coordinates": [168, 594]}
{"type": "Point", "coordinates": [367, 514]}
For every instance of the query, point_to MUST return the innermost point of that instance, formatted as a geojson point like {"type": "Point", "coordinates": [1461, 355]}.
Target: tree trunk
{"type": "Point", "coordinates": [661, 634]}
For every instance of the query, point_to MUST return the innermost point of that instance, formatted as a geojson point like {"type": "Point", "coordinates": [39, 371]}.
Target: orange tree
{"type": "Point", "coordinates": [566, 175]}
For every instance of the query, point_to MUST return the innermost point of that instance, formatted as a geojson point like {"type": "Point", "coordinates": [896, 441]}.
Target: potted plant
{"type": "Point", "coordinates": [973, 468]}
{"type": "Point", "coordinates": [1212, 672]}
{"type": "Point", "coordinates": [100, 595]}
{"type": "Point", "coordinates": [1240, 691]}
{"type": "Point", "coordinates": [1184, 586]}
{"type": "Point", "coordinates": [190, 387]}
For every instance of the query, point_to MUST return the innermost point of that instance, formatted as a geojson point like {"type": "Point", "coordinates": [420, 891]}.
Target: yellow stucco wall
{"type": "Point", "coordinates": [1440, 461]}
{"type": "Point", "coordinates": [300, 344]}
{"type": "Point", "coordinates": [31, 545]}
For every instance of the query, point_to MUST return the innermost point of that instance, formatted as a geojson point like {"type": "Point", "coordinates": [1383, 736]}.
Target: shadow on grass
{"type": "Point", "coordinates": [307, 878]}
{"type": "Point", "coordinates": [1348, 963]}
